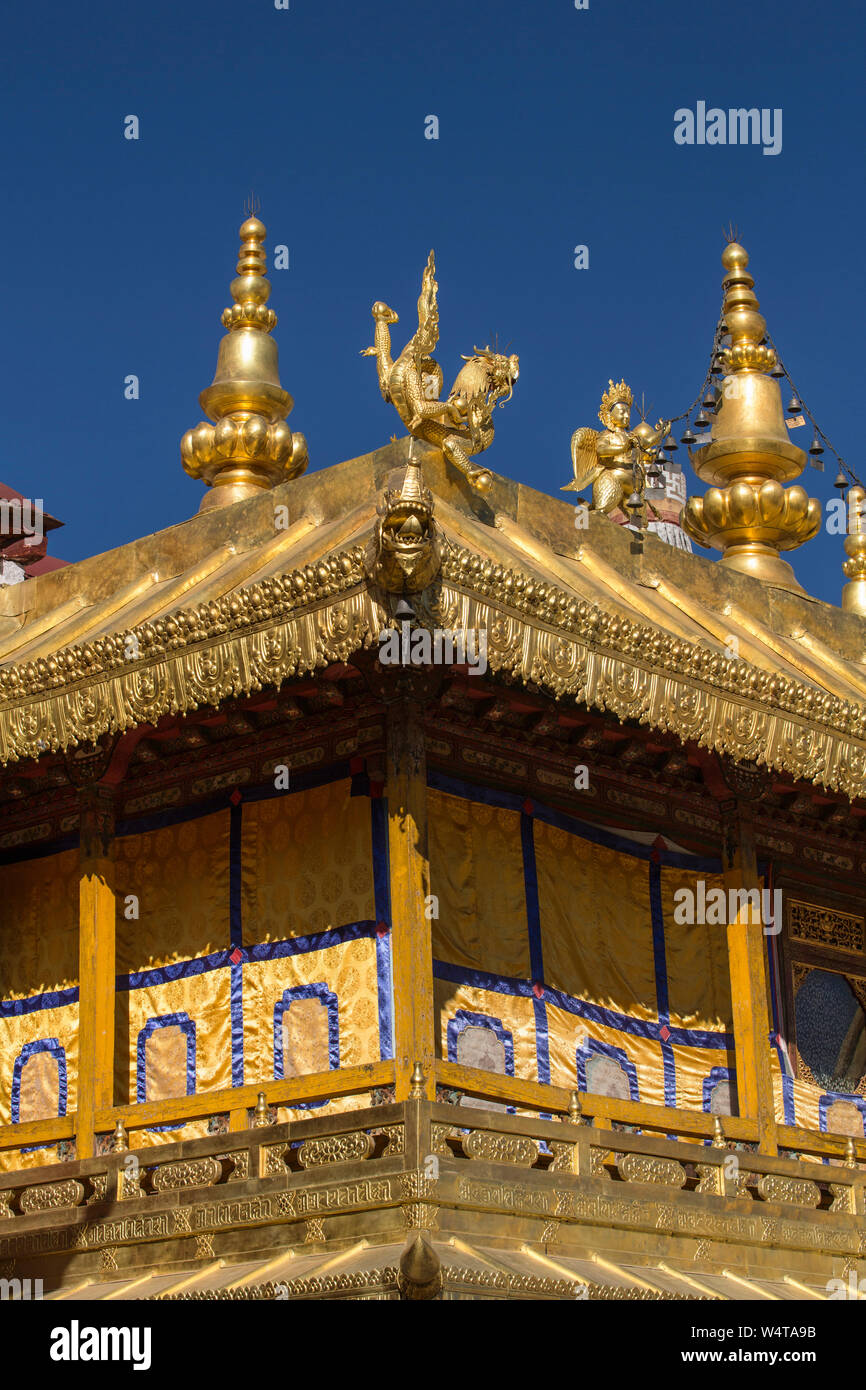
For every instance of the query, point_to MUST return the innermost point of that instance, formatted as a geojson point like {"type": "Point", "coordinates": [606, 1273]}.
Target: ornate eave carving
{"type": "Point", "coordinates": [296, 623]}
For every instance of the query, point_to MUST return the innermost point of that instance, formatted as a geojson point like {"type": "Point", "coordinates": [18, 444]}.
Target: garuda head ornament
{"type": "Point", "coordinates": [617, 392]}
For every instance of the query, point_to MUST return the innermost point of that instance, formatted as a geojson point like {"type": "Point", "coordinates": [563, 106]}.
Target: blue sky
{"type": "Point", "coordinates": [556, 129]}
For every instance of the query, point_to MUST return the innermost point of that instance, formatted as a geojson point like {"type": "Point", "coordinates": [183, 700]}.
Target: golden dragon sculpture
{"type": "Point", "coordinates": [462, 425]}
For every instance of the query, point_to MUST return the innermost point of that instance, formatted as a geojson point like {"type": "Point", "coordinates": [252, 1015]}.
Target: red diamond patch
{"type": "Point", "coordinates": [664, 1032]}
{"type": "Point", "coordinates": [236, 956]}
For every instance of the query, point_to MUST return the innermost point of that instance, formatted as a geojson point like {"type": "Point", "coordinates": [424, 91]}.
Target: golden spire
{"type": "Point", "coordinates": [747, 513]}
{"type": "Point", "coordinates": [854, 568]}
{"type": "Point", "coordinates": [249, 447]}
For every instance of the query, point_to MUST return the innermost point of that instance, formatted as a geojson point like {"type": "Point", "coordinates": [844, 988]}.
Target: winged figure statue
{"type": "Point", "coordinates": [613, 461]}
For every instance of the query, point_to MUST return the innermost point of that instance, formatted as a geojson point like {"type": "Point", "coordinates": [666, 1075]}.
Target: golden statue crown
{"type": "Point", "coordinates": [617, 392]}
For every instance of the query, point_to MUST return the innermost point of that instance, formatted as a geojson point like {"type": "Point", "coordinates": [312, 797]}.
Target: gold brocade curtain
{"type": "Point", "coordinates": [38, 960]}
{"type": "Point", "coordinates": [476, 872]}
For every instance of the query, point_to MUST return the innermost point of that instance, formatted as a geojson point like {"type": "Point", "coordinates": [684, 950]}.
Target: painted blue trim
{"type": "Point", "coordinates": [235, 840]}
{"type": "Point", "coordinates": [510, 801]}
{"type": "Point", "coordinates": [830, 1098]}
{"type": "Point", "coordinates": [536, 954]}
{"type": "Point", "coordinates": [788, 1107]}
{"type": "Point", "coordinates": [658, 931]}
{"type": "Point", "coordinates": [636, 1027]}
{"type": "Point", "coordinates": [266, 950]}
{"type": "Point", "coordinates": [317, 941]}
{"type": "Point", "coordinates": [542, 1041]}
{"type": "Point", "coordinates": [329, 1000]}
{"type": "Point", "coordinates": [236, 1014]}
{"type": "Point", "coordinates": [669, 1070]}
{"type": "Point", "coordinates": [594, 1046]}
{"type": "Point", "coordinates": [236, 937]}
{"type": "Point", "coordinates": [382, 904]}
{"type": "Point", "coordinates": [716, 1075]}
{"type": "Point", "coordinates": [52, 999]}
{"type": "Point", "coordinates": [178, 1020]}
{"type": "Point", "coordinates": [775, 1001]}
{"type": "Point", "coordinates": [464, 1018]}
{"type": "Point", "coordinates": [56, 1049]}
{"type": "Point", "coordinates": [530, 885]}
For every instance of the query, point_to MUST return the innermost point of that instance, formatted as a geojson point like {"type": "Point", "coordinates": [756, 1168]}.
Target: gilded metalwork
{"type": "Point", "coordinates": [396, 1136]}
{"type": "Point", "coordinates": [47, 1196]}
{"type": "Point", "coordinates": [337, 1148]}
{"type": "Point", "coordinates": [843, 931]}
{"type": "Point", "coordinates": [500, 1148]}
{"type": "Point", "coordinates": [249, 446]}
{"type": "Point", "coordinates": [711, 1179]}
{"type": "Point", "coordinates": [644, 1169]}
{"type": "Point", "coordinates": [405, 554]}
{"type": "Point", "coordinates": [462, 425]}
{"type": "Point", "coordinates": [798, 1192]}
{"type": "Point", "coordinates": [854, 568]}
{"type": "Point", "coordinates": [627, 667]}
{"type": "Point", "coordinates": [197, 1172]}
{"type": "Point", "coordinates": [613, 463]}
{"type": "Point", "coordinates": [747, 513]}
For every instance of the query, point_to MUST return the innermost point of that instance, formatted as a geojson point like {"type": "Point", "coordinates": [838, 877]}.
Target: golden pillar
{"type": "Point", "coordinates": [96, 957]}
{"type": "Point", "coordinates": [411, 931]}
{"type": "Point", "coordinates": [748, 973]}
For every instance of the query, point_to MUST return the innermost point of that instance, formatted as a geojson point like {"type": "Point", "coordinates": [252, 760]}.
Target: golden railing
{"type": "Point", "coordinates": [602, 1112]}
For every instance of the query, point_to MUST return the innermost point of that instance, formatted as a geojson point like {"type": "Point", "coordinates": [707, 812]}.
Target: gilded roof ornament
{"type": "Point", "coordinates": [405, 554]}
{"type": "Point", "coordinates": [248, 447]}
{"type": "Point", "coordinates": [614, 462]}
{"type": "Point", "coordinates": [854, 568]}
{"type": "Point", "coordinates": [747, 513]}
{"type": "Point", "coordinates": [462, 425]}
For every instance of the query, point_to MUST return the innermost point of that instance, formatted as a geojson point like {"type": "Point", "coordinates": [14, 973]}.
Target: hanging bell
{"type": "Point", "coordinates": [634, 502]}
{"type": "Point", "coordinates": [702, 418]}
{"type": "Point", "coordinates": [670, 445]}
{"type": "Point", "coordinates": [795, 405]}
{"type": "Point", "coordinates": [841, 481]}
{"type": "Point", "coordinates": [777, 370]}
{"type": "Point", "coordinates": [688, 438]}
{"type": "Point", "coordinates": [709, 401]}
{"type": "Point", "coordinates": [816, 448]}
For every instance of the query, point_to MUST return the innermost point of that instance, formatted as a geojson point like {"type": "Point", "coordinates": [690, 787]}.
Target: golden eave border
{"type": "Point", "coordinates": [292, 624]}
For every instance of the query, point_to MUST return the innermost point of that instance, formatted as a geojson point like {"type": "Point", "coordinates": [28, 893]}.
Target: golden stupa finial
{"type": "Point", "coordinates": [854, 568]}
{"type": "Point", "coordinates": [248, 447]}
{"type": "Point", "coordinates": [747, 513]}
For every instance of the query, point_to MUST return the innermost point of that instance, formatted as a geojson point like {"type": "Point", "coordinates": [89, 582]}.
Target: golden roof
{"type": "Point", "coordinates": [273, 587]}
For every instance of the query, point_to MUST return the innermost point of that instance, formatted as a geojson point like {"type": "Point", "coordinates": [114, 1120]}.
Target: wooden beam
{"type": "Point", "coordinates": [411, 932]}
{"type": "Point", "coordinates": [325, 1085]}
{"type": "Point", "coordinates": [96, 963]}
{"type": "Point", "coordinates": [603, 1109]}
{"type": "Point", "coordinates": [37, 1132]}
{"type": "Point", "coordinates": [748, 974]}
